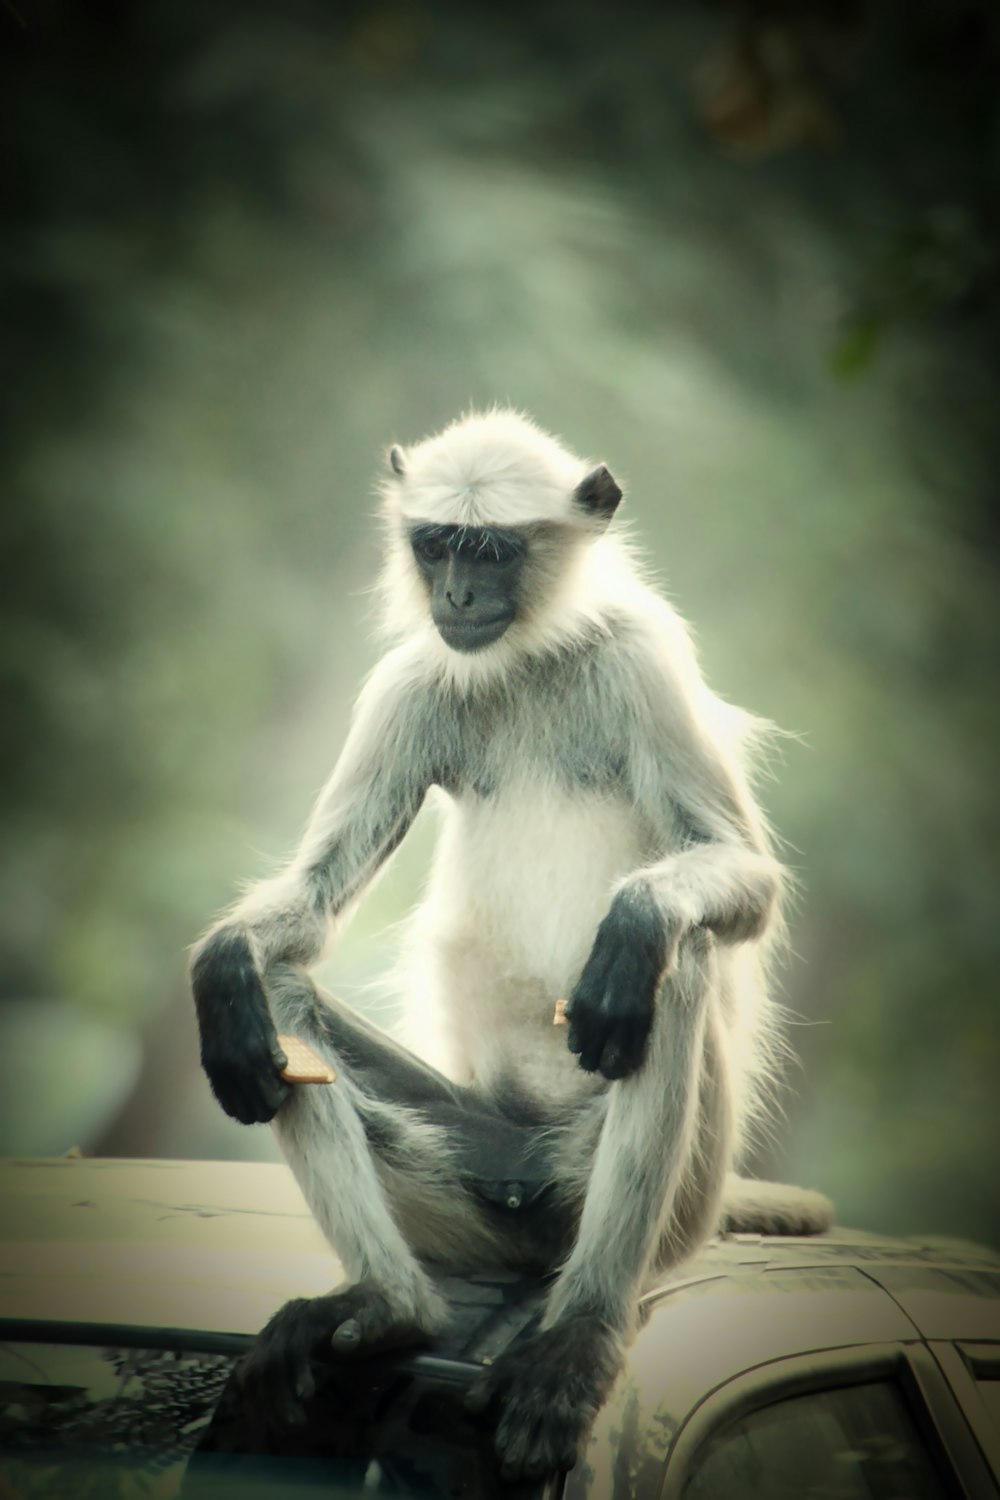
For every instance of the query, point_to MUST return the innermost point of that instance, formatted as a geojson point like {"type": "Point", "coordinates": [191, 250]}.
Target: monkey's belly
{"type": "Point", "coordinates": [519, 887]}
{"type": "Point", "coordinates": [505, 1034]}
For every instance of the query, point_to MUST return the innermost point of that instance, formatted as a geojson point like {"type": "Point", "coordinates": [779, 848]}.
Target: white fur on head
{"type": "Point", "coordinates": [497, 468]}
{"type": "Point", "coordinates": [494, 468]}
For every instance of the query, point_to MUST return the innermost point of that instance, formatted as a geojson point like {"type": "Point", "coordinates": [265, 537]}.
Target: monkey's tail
{"type": "Point", "coordinates": [752, 1207]}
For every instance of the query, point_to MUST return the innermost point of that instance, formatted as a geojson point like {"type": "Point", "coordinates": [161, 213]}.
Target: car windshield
{"type": "Point", "coordinates": [102, 1422]}
{"type": "Point", "coordinates": [89, 1422]}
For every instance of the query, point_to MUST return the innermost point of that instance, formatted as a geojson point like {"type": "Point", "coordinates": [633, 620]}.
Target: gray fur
{"type": "Point", "coordinates": [589, 715]}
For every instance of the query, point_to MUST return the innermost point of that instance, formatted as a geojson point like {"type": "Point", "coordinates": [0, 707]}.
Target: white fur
{"type": "Point", "coordinates": [490, 469]}
{"type": "Point", "coordinates": [582, 756]}
{"type": "Point", "coordinates": [497, 942]}
{"type": "Point", "coordinates": [497, 468]}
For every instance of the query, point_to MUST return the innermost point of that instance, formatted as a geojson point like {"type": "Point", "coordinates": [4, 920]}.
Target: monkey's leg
{"type": "Point", "coordinates": [384, 1158]}
{"type": "Point", "coordinates": [657, 1181]}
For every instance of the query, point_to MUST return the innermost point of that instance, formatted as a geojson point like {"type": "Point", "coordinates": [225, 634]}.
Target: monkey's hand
{"type": "Point", "coordinates": [240, 1051]}
{"type": "Point", "coordinates": [610, 1013]}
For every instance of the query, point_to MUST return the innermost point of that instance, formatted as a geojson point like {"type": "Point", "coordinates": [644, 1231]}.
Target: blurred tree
{"type": "Point", "coordinates": [747, 250]}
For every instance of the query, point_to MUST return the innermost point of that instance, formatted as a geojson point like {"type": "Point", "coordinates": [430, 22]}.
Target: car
{"type": "Point", "coordinates": [847, 1365]}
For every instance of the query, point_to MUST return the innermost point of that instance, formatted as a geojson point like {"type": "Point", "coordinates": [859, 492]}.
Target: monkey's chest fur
{"type": "Point", "coordinates": [507, 928]}
{"type": "Point", "coordinates": [524, 871]}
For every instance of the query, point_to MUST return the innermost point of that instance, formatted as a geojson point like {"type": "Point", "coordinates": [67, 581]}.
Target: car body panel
{"type": "Point", "coordinates": [198, 1255]}
{"type": "Point", "coordinates": [719, 1328]}
{"type": "Point", "coordinates": [952, 1302]}
{"type": "Point", "coordinates": [772, 1305]}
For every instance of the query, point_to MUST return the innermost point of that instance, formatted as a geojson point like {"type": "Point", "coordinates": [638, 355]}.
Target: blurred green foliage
{"type": "Point", "coordinates": [747, 257]}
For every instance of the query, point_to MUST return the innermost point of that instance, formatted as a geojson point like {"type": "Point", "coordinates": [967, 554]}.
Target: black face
{"type": "Point", "coordinates": [473, 574]}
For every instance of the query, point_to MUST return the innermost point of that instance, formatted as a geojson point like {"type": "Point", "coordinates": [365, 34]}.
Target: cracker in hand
{"type": "Point", "coordinates": [304, 1065]}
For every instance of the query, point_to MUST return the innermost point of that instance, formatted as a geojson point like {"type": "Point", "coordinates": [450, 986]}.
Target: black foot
{"type": "Point", "coordinates": [545, 1393]}
{"type": "Point", "coordinates": [301, 1343]}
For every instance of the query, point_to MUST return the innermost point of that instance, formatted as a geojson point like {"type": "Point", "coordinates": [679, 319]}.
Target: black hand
{"type": "Point", "coordinates": [239, 1045]}
{"type": "Point", "coordinates": [611, 1011]}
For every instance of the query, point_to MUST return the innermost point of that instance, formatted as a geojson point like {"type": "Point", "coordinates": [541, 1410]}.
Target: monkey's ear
{"type": "Point", "coordinates": [598, 495]}
{"type": "Point", "coordinates": [397, 460]}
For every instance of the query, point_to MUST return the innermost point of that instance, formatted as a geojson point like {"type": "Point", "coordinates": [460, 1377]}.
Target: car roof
{"type": "Point", "coordinates": [217, 1247]}
{"type": "Point", "coordinates": [211, 1247]}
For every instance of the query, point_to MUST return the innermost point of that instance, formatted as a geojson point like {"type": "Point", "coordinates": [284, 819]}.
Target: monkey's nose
{"type": "Point", "coordinates": [467, 599]}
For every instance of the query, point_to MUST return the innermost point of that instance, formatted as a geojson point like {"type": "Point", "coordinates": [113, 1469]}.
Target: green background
{"type": "Point", "coordinates": [745, 257]}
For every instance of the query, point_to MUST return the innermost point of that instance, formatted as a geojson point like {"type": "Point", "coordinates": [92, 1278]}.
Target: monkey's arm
{"type": "Point", "coordinates": [722, 878]}
{"type": "Point", "coordinates": [651, 1010]}
{"type": "Point", "coordinates": [362, 814]}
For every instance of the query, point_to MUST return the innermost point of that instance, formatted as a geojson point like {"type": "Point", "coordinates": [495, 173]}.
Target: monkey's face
{"type": "Point", "coordinates": [473, 576]}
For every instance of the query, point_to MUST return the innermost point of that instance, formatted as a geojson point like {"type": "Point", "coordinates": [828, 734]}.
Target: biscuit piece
{"type": "Point", "coordinates": [304, 1065]}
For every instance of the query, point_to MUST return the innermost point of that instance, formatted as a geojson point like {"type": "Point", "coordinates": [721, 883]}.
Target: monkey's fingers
{"type": "Point", "coordinates": [304, 1065]}
{"type": "Point", "coordinates": [347, 1337]}
{"type": "Point", "coordinates": [480, 1394]}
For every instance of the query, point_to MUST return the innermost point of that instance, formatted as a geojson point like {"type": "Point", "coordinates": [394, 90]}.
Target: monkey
{"type": "Point", "coordinates": [600, 842]}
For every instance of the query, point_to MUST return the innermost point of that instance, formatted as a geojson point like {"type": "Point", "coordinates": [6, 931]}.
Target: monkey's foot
{"type": "Point", "coordinates": [300, 1344]}
{"type": "Point", "coordinates": [545, 1393]}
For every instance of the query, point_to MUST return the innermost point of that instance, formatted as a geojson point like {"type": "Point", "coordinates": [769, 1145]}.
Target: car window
{"type": "Point", "coordinates": [989, 1389]}
{"type": "Point", "coordinates": [82, 1422]}
{"type": "Point", "coordinates": [102, 1423]}
{"type": "Point", "coordinates": [378, 1431]}
{"type": "Point", "coordinates": [856, 1443]}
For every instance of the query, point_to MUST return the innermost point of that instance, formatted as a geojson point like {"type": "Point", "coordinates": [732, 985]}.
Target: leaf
{"type": "Point", "coordinates": [855, 349]}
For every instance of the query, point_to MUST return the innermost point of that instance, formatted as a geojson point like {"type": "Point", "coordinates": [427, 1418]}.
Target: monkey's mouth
{"type": "Point", "coordinates": [469, 635]}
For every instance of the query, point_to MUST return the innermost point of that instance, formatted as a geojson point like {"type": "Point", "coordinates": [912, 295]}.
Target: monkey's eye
{"type": "Point", "coordinates": [506, 551]}
{"type": "Point", "coordinates": [429, 549]}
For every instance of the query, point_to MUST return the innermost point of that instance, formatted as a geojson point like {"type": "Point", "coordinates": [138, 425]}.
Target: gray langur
{"type": "Point", "coordinates": [600, 842]}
